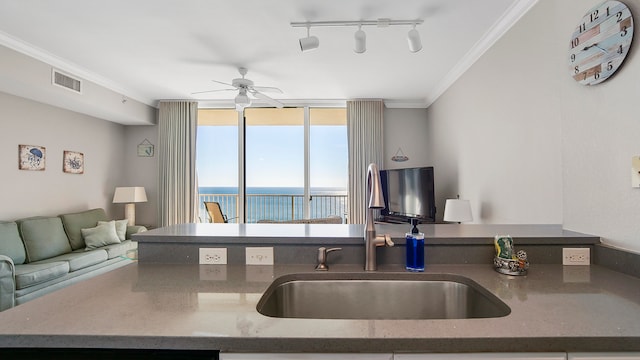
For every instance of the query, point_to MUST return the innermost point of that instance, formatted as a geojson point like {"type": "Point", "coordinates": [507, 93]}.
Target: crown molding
{"type": "Point", "coordinates": [499, 28]}
{"type": "Point", "coordinates": [405, 103]}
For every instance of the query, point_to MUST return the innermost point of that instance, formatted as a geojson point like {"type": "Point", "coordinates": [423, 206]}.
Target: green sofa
{"type": "Point", "coordinates": [42, 254]}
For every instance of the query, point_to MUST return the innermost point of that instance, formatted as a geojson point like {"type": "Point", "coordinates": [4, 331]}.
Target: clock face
{"type": "Point", "coordinates": [600, 42]}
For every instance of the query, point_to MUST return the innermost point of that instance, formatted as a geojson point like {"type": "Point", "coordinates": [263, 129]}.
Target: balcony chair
{"type": "Point", "coordinates": [215, 212]}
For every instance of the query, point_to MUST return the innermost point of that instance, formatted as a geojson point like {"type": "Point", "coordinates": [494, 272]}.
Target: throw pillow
{"type": "Point", "coordinates": [121, 227]}
{"type": "Point", "coordinates": [100, 235]}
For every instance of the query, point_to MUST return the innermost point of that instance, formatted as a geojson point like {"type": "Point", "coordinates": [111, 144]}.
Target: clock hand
{"type": "Point", "coordinates": [601, 49]}
{"type": "Point", "coordinates": [595, 45]}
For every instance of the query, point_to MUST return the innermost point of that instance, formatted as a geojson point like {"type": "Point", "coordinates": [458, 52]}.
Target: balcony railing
{"type": "Point", "coordinates": [275, 206]}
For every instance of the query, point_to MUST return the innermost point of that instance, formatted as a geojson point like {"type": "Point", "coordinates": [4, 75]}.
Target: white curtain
{"type": "Point", "coordinates": [364, 128]}
{"type": "Point", "coordinates": [177, 186]}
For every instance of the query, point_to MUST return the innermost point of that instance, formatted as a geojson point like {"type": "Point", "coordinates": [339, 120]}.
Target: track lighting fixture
{"type": "Point", "coordinates": [361, 41]}
{"type": "Point", "coordinates": [413, 37]}
{"type": "Point", "coordinates": [360, 37]}
{"type": "Point", "coordinates": [310, 42]}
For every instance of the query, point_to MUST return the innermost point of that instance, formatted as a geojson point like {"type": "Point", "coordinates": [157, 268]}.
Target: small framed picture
{"type": "Point", "coordinates": [145, 149]}
{"type": "Point", "coordinates": [73, 162]}
{"type": "Point", "coordinates": [31, 157]}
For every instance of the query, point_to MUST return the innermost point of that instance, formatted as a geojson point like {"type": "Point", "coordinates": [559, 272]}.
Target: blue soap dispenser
{"type": "Point", "coordinates": [415, 248]}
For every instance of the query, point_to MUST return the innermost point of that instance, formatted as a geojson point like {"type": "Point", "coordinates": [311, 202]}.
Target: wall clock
{"type": "Point", "coordinates": [600, 42]}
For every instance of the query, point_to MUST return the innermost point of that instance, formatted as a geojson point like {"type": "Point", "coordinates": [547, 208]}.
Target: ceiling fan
{"type": "Point", "coordinates": [245, 86]}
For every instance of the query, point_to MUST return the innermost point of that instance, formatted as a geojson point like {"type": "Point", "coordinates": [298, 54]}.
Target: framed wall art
{"type": "Point", "coordinates": [73, 162]}
{"type": "Point", "coordinates": [145, 148]}
{"type": "Point", "coordinates": [31, 157]}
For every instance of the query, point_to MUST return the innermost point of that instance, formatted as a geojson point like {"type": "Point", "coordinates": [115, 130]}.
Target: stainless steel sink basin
{"type": "Point", "coordinates": [392, 296]}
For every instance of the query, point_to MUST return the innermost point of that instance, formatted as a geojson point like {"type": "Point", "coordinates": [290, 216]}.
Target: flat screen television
{"type": "Point", "coordinates": [408, 194]}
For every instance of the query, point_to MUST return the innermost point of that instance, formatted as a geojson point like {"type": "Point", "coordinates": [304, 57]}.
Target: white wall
{"type": "Point", "coordinates": [497, 131]}
{"type": "Point", "coordinates": [406, 129]}
{"type": "Point", "coordinates": [527, 144]}
{"type": "Point", "coordinates": [142, 171]}
{"type": "Point", "coordinates": [601, 125]}
{"type": "Point", "coordinates": [51, 192]}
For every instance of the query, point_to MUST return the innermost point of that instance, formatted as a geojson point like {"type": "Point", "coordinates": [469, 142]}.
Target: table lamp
{"type": "Point", "coordinates": [130, 196]}
{"type": "Point", "coordinates": [457, 210]}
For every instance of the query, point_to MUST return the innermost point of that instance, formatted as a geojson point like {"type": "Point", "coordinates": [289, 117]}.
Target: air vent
{"type": "Point", "coordinates": [66, 81]}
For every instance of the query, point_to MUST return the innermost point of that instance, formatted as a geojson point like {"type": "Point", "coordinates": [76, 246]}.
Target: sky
{"type": "Point", "coordinates": [275, 156]}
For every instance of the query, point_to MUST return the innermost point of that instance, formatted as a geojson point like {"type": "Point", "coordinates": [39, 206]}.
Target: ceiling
{"type": "Point", "coordinates": [167, 49]}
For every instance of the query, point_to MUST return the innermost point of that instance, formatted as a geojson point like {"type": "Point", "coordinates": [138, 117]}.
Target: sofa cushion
{"type": "Point", "coordinates": [120, 249]}
{"type": "Point", "coordinates": [33, 274]}
{"type": "Point", "coordinates": [78, 259]}
{"type": "Point", "coordinates": [134, 229]}
{"type": "Point", "coordinates": [100, 235]}
{"type": "Point", "coordinates": [10, 243]}
{"type": "Point", "coordinates": [73, 223]}
{"type": "Point", "coordinates": [43, 237]}
{"type": "Point", "coordinates": [121, 227]}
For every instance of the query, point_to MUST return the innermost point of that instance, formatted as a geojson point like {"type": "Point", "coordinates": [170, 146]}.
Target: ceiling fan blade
{"type": "Point", "coordinates": [267, 89]}
{"type": "Point", "coordinates": [209, 91]}
{"type": "Point", "coordinates": [223, 83]}
{"type": "Point", "coordinates": [264, 97]}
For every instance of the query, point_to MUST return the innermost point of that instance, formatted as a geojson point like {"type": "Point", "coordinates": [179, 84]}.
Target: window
{"type": "Point", "coordinates": [217, 160]}
{"type": "Point", "coordinates": [328, 162]}
{"type": "Point", "coordinates": [291, 163]}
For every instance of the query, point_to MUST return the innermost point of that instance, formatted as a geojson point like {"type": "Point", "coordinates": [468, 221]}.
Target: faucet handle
{"type": "Point", "coordinates": [387, 239]}
{"type": "Point", "coordinates": [322, 258]}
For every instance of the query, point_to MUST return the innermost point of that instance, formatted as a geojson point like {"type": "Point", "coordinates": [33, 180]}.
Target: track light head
{"type": "Point", "coordinates": [413, 37]}
{"type": "Point", "coordinates": [309, 43]}
{"type": "Point", "coordinates": [361, 41]}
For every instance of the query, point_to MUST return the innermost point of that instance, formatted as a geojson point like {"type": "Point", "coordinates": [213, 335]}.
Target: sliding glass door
{"type": "Point", "coordinates": [274, 164]}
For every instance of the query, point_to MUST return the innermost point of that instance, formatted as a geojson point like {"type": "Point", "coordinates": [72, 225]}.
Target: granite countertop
{"type": "Point", "coordinates": [284, 234]}
{"type": "Point", "coordinates": [553, 308]}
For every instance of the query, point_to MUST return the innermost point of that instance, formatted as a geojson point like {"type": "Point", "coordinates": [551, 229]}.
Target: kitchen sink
{"type": "Point", "coordinates": [372, 296]}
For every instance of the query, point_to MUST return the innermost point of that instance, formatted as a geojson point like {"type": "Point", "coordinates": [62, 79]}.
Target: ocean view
{"type": "Point", "coordinates": [275, 203]}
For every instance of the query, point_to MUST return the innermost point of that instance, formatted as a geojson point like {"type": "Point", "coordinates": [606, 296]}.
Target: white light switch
{"type": "Point", "coordinates": [635, 172]}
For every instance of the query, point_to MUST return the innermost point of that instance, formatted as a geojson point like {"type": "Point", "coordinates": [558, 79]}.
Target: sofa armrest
{"type": "Point", "coordinates": [7, 283]}
{"type": "Point", "coordinates": [134, 229]}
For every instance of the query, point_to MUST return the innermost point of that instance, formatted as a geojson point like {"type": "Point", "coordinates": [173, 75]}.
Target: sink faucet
{"type": "Point", "coordinates": [375, 201]}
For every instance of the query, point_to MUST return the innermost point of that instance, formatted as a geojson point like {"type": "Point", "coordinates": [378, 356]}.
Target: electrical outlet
{"type": "Point", "coordinates": [576, 256]}
{"type": "Point", "coordinates": [217, 256]}
{"type": "Point", "coordinates": [259, 256]}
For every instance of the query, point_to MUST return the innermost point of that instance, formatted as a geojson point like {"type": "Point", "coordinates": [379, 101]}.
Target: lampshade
{"type": "Point", "coordinates": [129, 195]}
{"type": "Point", "coordinates": [457, 210]}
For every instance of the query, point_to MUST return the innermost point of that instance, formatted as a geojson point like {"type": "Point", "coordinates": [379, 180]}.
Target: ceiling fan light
{"type": "Point", "coordinates": [242, 100]}
{"type": "Point", "coordinates": [413, 37]}
{"type": "Point", "coordinates": [361, 41]}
